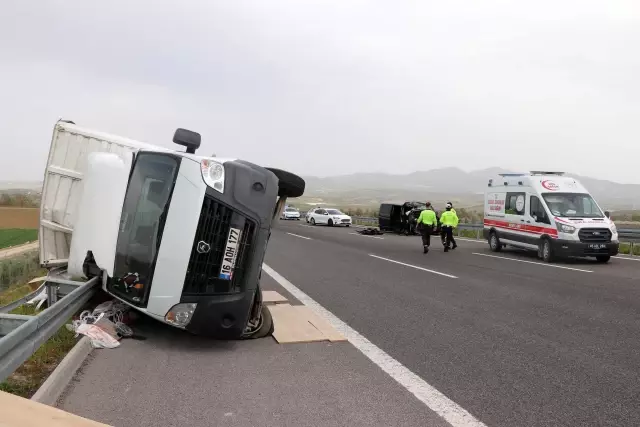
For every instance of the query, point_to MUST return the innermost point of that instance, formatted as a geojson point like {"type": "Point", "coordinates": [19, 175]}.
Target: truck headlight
{"type": "Point", "coordinates": [181, 314]}
{"type": "Point", "coordinates": [614, 229]}
{"type": "Point", "coordinates": [213, 174]}
{"type": "Point", "coordinates": [564, 228]}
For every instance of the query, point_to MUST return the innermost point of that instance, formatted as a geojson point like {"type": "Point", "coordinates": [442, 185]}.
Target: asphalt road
{"type": "Point", "coordinates": [175, 379]}
{"type": "Point", "coordinates": [512, 340]}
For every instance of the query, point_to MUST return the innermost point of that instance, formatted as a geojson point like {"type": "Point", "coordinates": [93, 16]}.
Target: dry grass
{"type": "Point", "coordinates": [28, 218]}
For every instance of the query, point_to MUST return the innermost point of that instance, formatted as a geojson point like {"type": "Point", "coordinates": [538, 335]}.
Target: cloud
{"type": "Point", "coordinates": [328, 87]}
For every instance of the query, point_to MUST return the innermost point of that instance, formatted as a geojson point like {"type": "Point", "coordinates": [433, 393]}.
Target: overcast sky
{"type": "Point", "coordinates": [334, 86]}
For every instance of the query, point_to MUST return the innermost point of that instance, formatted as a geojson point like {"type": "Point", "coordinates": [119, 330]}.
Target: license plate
{"type": "Point", "coordinates": [597, 246]}
{"type": "Point", "coordinates": [230, 254]}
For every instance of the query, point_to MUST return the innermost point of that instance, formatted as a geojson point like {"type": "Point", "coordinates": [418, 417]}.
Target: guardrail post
{"type": "Point", "coordinates": [477, 233]}
{"type": "Point", "coordinates": [52, 294]}
{"type": "Point", "coordinates": [630, 248]}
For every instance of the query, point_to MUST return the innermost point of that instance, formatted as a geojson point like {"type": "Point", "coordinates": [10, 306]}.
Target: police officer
{"type": "Point", "coordinates": [453, 240]}
{"type": "Point", "coordinates": [426, 222]}
{"type": "Point", "coordinates": [449, 221]}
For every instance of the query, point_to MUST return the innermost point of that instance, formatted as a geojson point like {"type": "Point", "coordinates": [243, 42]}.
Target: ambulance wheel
{"type": "Point", "coordinates": [544, 250]}
{"type": "Point", "coordinates": [289, 184]}
{"type": "Point", "coordinates": [494, 242]}
{"type": "Point", "coordinates": [603, 258]}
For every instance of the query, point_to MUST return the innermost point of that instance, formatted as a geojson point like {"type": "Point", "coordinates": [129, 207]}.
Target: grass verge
{"type": "Point", "coordinates": [17, 236]}
{"type": "Point", "coordinates": [625, 249]}
{"type": "Point", "coordinates": [19, 269]}
{"type": "Point", "coordinates": [28, 378]}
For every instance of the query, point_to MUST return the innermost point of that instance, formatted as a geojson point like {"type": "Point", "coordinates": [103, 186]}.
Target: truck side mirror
{"type": "Point", "coordinates": [187, 138]}
{"type": "Point", "coordinates": [607, 214]}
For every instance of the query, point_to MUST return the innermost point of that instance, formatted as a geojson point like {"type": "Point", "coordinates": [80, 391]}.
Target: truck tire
{"type": "Point", "coordinates": [289, 184]}
{"type": "Point", "coordinates": [266, 328]}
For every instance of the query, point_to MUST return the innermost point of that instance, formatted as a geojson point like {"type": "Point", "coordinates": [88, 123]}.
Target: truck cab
{"type": "Point", "coordinates": [176, 236]}
{"type": "Point", "coordinates": [550, 213]}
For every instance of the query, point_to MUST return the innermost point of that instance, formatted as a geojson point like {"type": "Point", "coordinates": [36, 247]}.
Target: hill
{"type": "Point", "coordinates": [439, 185]}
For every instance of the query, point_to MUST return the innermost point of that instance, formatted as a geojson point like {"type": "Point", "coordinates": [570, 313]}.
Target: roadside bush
{"type": "Point", "coordinates": [18, 269]}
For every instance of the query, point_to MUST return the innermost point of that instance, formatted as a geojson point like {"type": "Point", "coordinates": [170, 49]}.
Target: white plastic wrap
{"type": "Point", "coordinates": [99, 210]}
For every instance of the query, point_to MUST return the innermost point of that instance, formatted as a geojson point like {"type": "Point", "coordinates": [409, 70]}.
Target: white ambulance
{"type": "Point", "coordinates": [547, 212]}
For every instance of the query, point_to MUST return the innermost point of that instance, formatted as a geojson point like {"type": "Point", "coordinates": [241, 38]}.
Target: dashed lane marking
{"type": "Point", "coordinates": [414, 266]}
{"type": "Point", "coordinates": [628, 259]}
{"type": "Point", "coordinates": [533, 262]}
{"type": "Point", "coordinates": [450, 411]}
{"type": "Point", "coordinates": [297, 235]}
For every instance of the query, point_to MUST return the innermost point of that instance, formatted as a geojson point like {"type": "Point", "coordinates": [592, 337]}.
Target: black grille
{"type": "Point", "coordinates": [594, 235]}
{"type": "Point", "coordinates": [203, 272]}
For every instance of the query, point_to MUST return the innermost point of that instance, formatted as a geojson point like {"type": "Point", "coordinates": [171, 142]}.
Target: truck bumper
{"type": "Point", "coordinates": [571, 248]}
{"type": "Point", "coordinates": [221, 316]}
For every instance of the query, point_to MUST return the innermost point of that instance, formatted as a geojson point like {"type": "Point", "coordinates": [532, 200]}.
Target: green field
{"type": "Point", "coordinates": [17, 236]}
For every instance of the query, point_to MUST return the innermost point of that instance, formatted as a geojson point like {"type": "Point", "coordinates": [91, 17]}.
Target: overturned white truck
{"type": "Point", "coordinates": [177, 236]}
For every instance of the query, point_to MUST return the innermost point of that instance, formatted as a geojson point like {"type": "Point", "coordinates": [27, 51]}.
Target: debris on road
{"type": "Point", "coordinates": [105, 325]}
{"type": "Point", "coordinates": [370, 231]}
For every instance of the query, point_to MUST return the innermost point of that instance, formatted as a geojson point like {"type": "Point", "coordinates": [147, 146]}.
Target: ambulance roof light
{"type": "Point", "coordinates": [547, 173]}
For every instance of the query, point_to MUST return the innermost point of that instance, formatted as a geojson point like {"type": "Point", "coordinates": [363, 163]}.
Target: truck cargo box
{"type": "Point", "coordinates": [63, 183]}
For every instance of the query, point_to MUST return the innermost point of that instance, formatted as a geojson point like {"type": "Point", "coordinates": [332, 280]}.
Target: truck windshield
{"type": "Point", "coordinates": [572, 205]}
{"type": "Point", "coordinates": [141, 224]}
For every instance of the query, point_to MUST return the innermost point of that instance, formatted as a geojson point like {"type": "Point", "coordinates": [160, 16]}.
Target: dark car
{"type": "Point", "coordinates": [402, 217]}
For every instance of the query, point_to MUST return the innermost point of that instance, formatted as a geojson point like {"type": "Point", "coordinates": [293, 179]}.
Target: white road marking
{"type": "Point", "coordinates": [297, 235]}
{"type": "Point", "coordinates": [364, 235]}
{"type": "Point", "coordinates": [414, 266]}
{"type": "Point", "coordinates": [484, 242]}
{"type": "Point", "coordinates": [628, 259]}
{"type": "Point", "coordinates": [534, 262]}
{"type": "Point", "coordinates": [453, 413]}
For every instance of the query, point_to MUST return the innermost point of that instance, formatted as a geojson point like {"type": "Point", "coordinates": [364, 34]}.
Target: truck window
{"type": "Point", "coordinates": [142, 222]}
{"type": "Point", "coordinates": [515, 204]}
{"type": "Point", "coordinates": [536, 210]}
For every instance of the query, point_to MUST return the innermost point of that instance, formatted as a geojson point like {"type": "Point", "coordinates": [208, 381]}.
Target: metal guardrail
{"type": "Point", "coordinates": [630, 235]}
{"type": "Point", "coordinates": [21, 336]}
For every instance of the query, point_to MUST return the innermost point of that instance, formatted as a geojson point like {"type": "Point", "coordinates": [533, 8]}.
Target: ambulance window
{"type": "Point", "coordinates": [515, 204]}
{"type": "Point", "coordinates": [536, 210]}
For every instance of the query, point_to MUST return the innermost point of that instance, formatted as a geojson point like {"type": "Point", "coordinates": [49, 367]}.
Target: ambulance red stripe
{"type": "Point", "coordinates": [505, 225]}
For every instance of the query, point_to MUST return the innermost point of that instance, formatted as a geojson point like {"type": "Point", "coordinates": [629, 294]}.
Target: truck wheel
{"type": "Point", "coordinates": [545, 251]}
{"type": "Point", "coordinates": [330, 223]}
{"type": "Point", "coordinates": [603, 258]}
{"type": "Point", "coordinates": [494, 242]}
{"type": "Point", "coordinates": [289, 184]}
{"type": "Point", "coordinates": [266, 328]}
{"type": "Point", "coordinates": [313, 221]}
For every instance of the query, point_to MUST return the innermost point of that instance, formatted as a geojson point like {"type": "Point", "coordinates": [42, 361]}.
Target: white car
{"type": "Point", "coordinates": [329, 217]}
{"type": "Point", "coordinates": [291, 213]}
